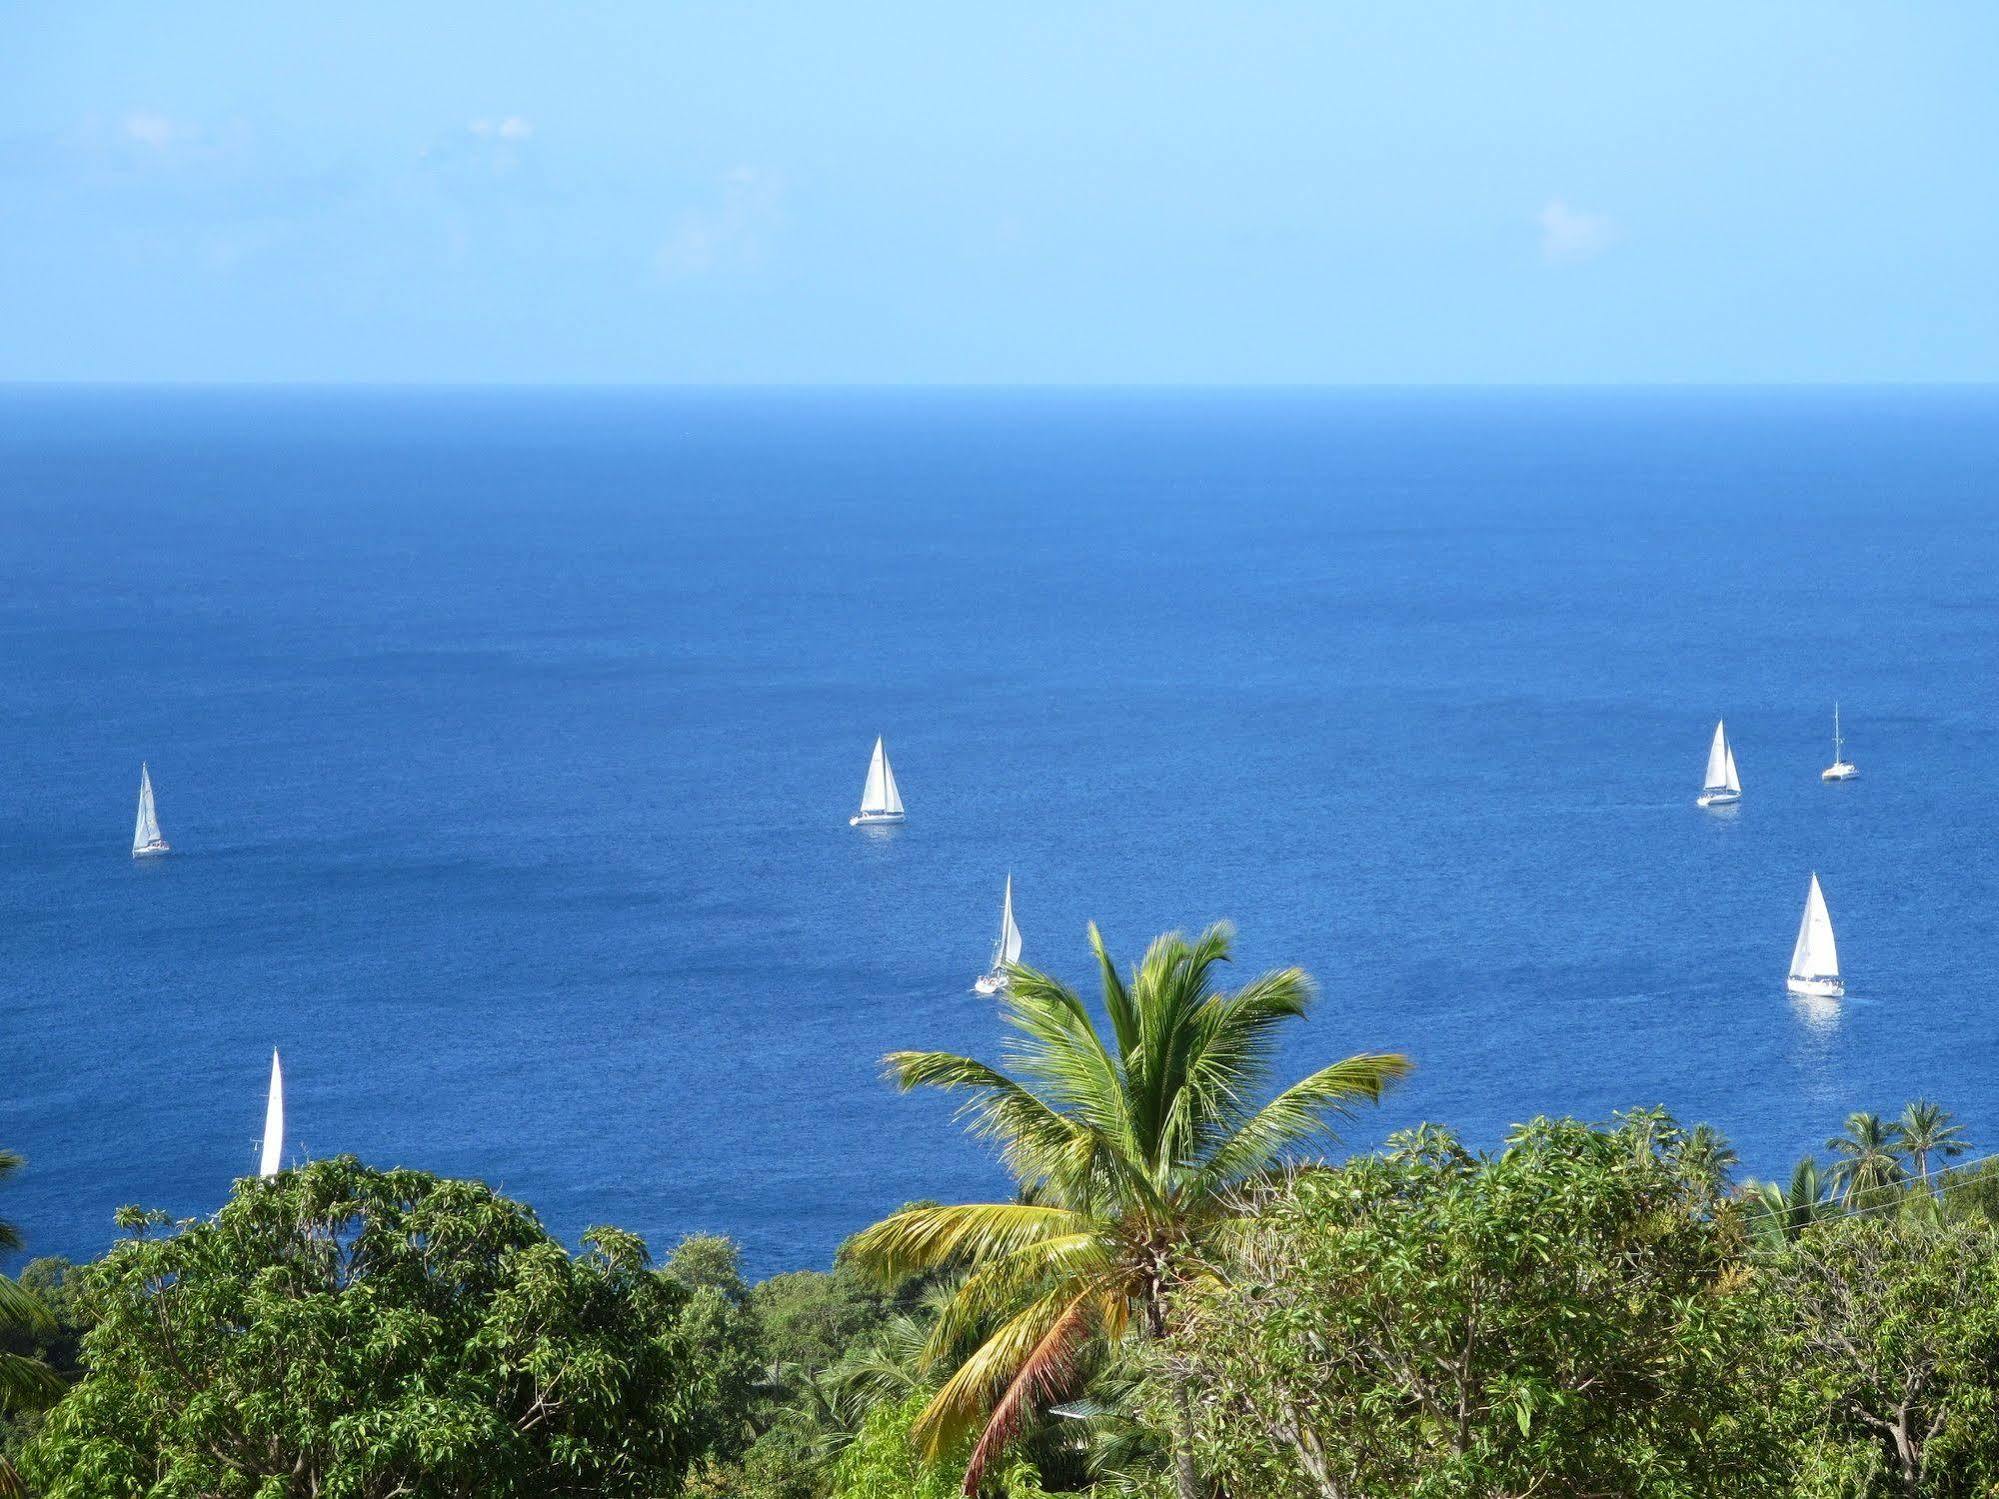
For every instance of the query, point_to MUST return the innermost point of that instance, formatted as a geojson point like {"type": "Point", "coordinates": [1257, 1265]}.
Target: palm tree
{"type": "Point", "coordinates": [1787, 1212]}
{"type": "Point", "coordinates": [1927, 1129]}
{"type": "Point", "coordinates": [24, 1381]}
{"type": "Point", "coordinates": [1130, 1149]}
{"type": "Point", "coordinates": [1707, 1151]}
{"type": "Point", "coordinates": [1867, 1161]}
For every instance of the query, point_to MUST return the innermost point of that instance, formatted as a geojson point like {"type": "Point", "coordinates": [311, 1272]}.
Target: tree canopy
{"type": "Point", "coordinates": [1564, 1317]}
{"type": "Point", "coordinates": [338, 1330]}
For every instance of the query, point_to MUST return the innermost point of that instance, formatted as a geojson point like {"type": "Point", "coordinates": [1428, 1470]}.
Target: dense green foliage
{"type": "Point", "coordinates": [1586, 1311]}
{"type": "Point", "coordinates": [1565, 1316]}
{"type": "Point", "coordinates": [1887, 1330]}
{"type": "Point", "coordinates": [1130, 1149]}
{"type": "Point", "coordinates": [338, 1330]}
{"type": "Point", "coordinates": [38, 1343]}
{"type": "Point", "coordinates": [26, 1324]}
{"type": "Point", "coordinates": [881, 1463]}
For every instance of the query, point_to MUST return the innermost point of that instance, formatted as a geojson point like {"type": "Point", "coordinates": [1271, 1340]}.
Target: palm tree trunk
{"type": "Point", "coordinates": [1186, 1477]}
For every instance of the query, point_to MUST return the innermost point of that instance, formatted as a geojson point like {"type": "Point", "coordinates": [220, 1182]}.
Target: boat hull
{"type": "Point", "coordinates": [873, 819]}
{"type": "Point", "coordinates": [1717, 798]}
{"type": "Point", "coordinates": [1817, 988]}
{"type": "Point", "coordinates": [1840, 772]}
{"type": "Point", "coordinates": [985, 983]}
{"type": "Point", "coordinates": [151, 851]}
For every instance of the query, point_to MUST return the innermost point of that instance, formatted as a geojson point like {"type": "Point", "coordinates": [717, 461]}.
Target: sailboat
{"type": "Point", "coordinates": [146, 839]}
{"type": "Point", "coordinates": [880, 801]}
{"type": "Point", "coordinates": [1723, 787]}
{"type": "Point", "coordinates": [1005, 951]}
{"type": "Point", "coordinates": [1815, 958]}
{"type": "Point", "coordinates": [1841, 768]}
{"type": "Point", "coordinates": [274, 1122]}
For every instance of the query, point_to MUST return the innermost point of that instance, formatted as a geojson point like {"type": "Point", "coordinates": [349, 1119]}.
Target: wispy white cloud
{"type": "Point", "coordinates": [154, 131]}
{"type": "Point", "coordinates": [731, 231]}
{"type": "Point", "coordinates": [490, 147]}
{"type": "Point", "coordinates": [507, 128]}
{"type": "Point", "coordinates": [1571, 235]}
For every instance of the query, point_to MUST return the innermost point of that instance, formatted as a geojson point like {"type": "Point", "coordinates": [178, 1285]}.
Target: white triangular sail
{"type": "Point", "coordinates": [1717, 761]}
{"type": "Point", "coordinates": [872, 788]}
{"type": "Point", "coordinates": [1734, 781]}
{"type": "Point", "coordinates": [1720, 763]}
{"type": "Point", "coordinates": [146, 831]}
{"type": "Point", "coordinates": [891, 797]}
{"type": "Point", "coordinates": [1007, 950]}
{"type": "Point", "coordinates": [274, 1122]}
{"type": "Point", "coordinates": [879, 796]}
{"type": "Point", "coordinates": [1815, 955]}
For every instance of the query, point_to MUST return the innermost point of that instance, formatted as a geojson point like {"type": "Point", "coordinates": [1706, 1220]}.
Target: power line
{"type": "Point", "coordinates": [1937, 1188]}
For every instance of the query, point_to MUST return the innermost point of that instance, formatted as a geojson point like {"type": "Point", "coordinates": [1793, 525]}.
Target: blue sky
{"type": "Point", "coordinates": [1330, 192]}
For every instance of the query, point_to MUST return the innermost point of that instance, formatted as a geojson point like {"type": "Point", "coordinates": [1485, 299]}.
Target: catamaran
{"type": "Point", "coordinates": [146, 839]}
{"type": "Point", "coordinates": [1723, 786]}
{"type": "Point", "coordinates": [1005, 951]}
{"type": "Point", "coordinates": [1815, 957]}
{"type": "Point", "coordinates": [274, 1122]}
{"type": "Point", "coordinates": [880, 801]}
{"type": "Point", "coordinates": [1841, 769]}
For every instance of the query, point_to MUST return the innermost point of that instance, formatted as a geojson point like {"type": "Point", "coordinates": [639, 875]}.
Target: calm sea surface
{"type": "Point", "coordinates": [507, 741]}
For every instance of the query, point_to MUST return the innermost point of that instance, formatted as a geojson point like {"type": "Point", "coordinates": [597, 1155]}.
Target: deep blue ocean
{"type": "Point", "coordinates": [507, 740]}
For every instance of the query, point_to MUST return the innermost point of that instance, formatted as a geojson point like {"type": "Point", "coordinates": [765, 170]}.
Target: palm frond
{"type": "Point", "coordinates": [1236, 1043]}
{"type": "Point", "coordinates": [917, 1240]}
{"type": "Point", "coordinates": [961, 1403]}
{"type": "Point", "coordinates": [1000, 1287]}
{"type": "Point", "coordinates": [1044, 1375]}
{"type": "Point", "coordinates": [22, 1309]}
{"type": "Point", "coordinates": [1034, 1140]}
{"type": "Point", "coordinates": [1117, 998]}
{"type": "Point", "coordinates": [26, 1382]}
{"type": "Point", "coordinates": [1299, 1115]}
{"type": "Point", "coordinates": [1170, 989]}
{"type": "Point", "coordinates": [1058, 1049]}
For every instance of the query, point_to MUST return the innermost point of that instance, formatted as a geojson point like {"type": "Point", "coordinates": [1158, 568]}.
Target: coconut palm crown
{"type": "Point", "coordinates": [1928, 1131]}
{"type": "Point", "coordinates": [1865, 1158]}
{"type": "Point", "coordinates": [1131, 1148]}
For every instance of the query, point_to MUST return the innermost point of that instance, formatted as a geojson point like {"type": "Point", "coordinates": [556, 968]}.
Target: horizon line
{"type": "Point", "coordinates": [28, 383]}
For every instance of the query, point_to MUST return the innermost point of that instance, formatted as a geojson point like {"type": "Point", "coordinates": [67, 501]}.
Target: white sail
{"type": "Point", "coordinates": [146, 831]}
{"type": "Point", "coordinates": [891, 797]}
{"type": "Point", "coordinates": [1718, 759]}
{"type": "Point", "coordinates": [1815, 955]}
{"type": "Point", "coordinates": [879, 796]}
{"type": "Point", "coordinates": [274, 1122]}
{"type": "Point", "coordinates": [1008, 950]}
{"type": "Point", "coordinates": [1734, 781]}
{"type": "Point", "coordinates": [872, 788]}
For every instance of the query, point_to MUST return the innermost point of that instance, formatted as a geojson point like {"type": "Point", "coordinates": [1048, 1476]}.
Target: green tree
{"type": "Point", "coordinates": [1925, 1130]}
{"type": "Point", "coordinates": [1707, 1150]}
{"type": "Point", "coordinates": [28, 1328]}
{"type": "Point", "coordinates": [26, 1381]}
{"type": "Point", "coordinates": [337, 1330]}
{"type": "Point", "coordinates": [1131, 1151]}
{"type": "Point", "coordinates": [883, 1463]}
{"type": "Point", "coordinates": [718, 1319]}
{"type": "Point", "coordinates": [1865, 1161]}
{"type": "Point", "coordinates": [1889, 1333]}
{"type": "Point", "coordinates": [1569, 1316]}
